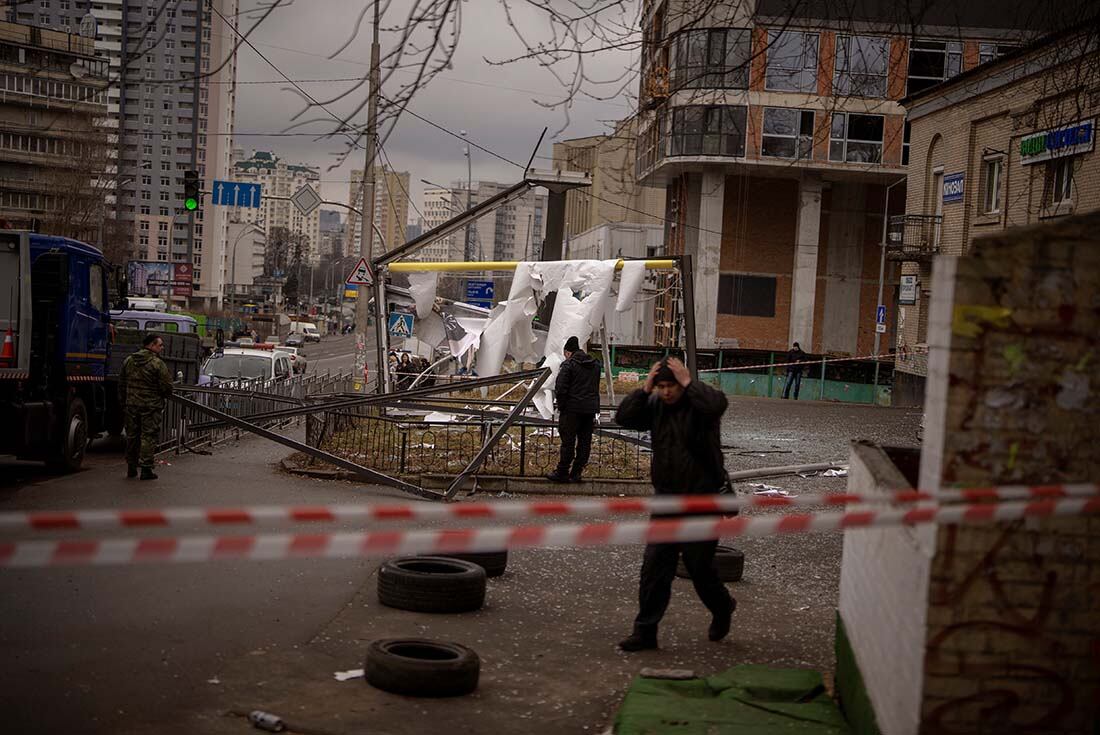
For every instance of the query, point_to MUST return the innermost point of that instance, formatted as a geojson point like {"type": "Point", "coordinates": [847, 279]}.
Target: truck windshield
{"type": "Point", "coordinates": [237, 366]}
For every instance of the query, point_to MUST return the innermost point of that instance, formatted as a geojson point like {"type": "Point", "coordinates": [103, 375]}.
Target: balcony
{"type": "Point", "coordinates": [913, 237]}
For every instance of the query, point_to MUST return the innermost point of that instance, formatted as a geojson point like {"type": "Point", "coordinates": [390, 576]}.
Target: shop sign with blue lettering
{"type": "Point", "coordinates": [1065, 141]}
{"type": "Point", "coordinates": [953, 188]}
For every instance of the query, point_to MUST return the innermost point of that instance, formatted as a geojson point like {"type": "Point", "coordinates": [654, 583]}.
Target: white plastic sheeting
{"type": "Point", "coordinates": [422, 287]}
{"type": "Point", "coordinates": [630, 282]}
{"type": "Point", "coordinates": [583, 296]}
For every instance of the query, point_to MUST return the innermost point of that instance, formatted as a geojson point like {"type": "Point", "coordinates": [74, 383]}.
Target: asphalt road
{"type": "Point", "coordinates": [336, 354]}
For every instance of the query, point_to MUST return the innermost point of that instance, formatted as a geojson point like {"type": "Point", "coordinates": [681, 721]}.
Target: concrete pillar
{"type": "Point", "coordinates": [804, 281]}
{"type": "Point", "coordinates": [708, 256]}
{"type": "Point", "coordinates": [844, 268]}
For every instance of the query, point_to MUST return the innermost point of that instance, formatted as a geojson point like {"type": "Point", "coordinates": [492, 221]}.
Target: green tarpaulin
{"type": "Point", "coordinates": [745, 700]}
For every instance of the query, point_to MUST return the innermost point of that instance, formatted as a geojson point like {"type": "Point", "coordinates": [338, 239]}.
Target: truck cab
{"type": "Point", "coordinates": [56, 329]}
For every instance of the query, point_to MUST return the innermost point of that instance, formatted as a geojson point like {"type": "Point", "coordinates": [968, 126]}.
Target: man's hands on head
{"type": "Point", "coordinates": [679, 369]}
{"type": "Point", "coordinates": [648, 388]}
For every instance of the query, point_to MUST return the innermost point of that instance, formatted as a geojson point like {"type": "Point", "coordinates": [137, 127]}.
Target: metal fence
{"type": "Point", "coordinates": [400, 446]}
{"type": "Point", "coordinates": [244, 399]}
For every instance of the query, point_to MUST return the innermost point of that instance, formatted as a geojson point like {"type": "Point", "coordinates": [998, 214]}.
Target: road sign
{"type": "Point", "coordinates": [880, 328]}
{"type": "Point", "coordinates": [306, 200]}
{"type": "Point", "coordinates": [360, 275]}
{"type": "Point", "coordinates": [237, 194]}
{"type": "Point", "coordinates": [908, 292]}
{"type": "Point", "coordinates": [479, 293]}
{"type": "Point", "coordinates": [400, 325]}
{"type": "Point", "coordinates": [880, 315]}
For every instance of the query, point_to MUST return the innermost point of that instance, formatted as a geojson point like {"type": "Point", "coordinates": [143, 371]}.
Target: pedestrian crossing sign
{"type": "Point", "coordinates": [401, 325]}
{"type": "Point", "coordinates": [360, 275]}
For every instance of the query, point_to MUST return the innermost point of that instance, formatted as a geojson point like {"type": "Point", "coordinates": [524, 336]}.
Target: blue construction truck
{"type": "Point", "coordinates": [53, 364]}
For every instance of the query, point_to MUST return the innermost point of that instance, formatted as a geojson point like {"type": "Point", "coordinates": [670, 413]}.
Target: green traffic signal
{"type": "Point", "coordinates": [191, 190]}
{"type": "Point", "coordinates": [191, 204]}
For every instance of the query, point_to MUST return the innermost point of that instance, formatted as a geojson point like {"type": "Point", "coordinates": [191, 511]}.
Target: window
{"type": "Point", "coordinates": [161, 226]}
{"type": "Point", "coordinates": [165, 181]}
{"type": "Point", "coordinates": [787, 133]}
{"type": "Point", "coordinates": [147, 119]}
{"type": "Point", "coordinates": [792, 61]}
{"type": "Point", "coordinates": [144, 209]}
{"type": "Point", "coordinates": [162, 326]}
{"type": "Point", "coordinates": [708, 131]}
{"type": "Point", "coordinates": [905, 145]}
{"type": "Point", "coordinates": [1060, 180]}
{"type": "Point", "coordinates": [991, 51]}
{"type": "Point", "coordinates": [162, 211]}
{"type": "Point", "coordinates": [746, 295]}
{"type": "Point", "coordinates": [991, 184]}
{"type": "Point", "coordinates": [711, 57]}
{"type": "Point", "coordinates": [147, 180]}
{"type": "Point", "coordinates": [95, 286]}
{"type": "Point", "coordinates": [931, 62]}
{"type": "Point", "coordinates": [861, 66]}
{"type": "Point", "coordinates": [856, 138]}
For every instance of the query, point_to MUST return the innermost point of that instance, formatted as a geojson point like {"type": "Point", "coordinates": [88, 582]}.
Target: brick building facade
{"type": "Point", "coordinates": [775, 133]}
{"type": "Point", "coordinates": [1008, 144]}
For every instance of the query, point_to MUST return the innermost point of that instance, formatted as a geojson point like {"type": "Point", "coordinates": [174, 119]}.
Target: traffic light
{"type": "Point", "coordinates": [190, 190]}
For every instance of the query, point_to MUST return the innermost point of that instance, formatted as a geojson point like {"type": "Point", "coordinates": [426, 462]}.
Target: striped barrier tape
{"type": "Point", "coordinates": [505, 510]}
{"type": "Point", "coordinates": [804, 363]}
{"type": "Point", "coordinates": [22, 554]}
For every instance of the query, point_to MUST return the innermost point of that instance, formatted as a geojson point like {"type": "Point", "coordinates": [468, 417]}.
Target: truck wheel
{"type": "Point", "coordinates": [68, 451]}
{"type": "Point", "coordinates": [421, 668]}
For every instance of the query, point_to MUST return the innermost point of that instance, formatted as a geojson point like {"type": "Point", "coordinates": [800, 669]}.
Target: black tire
{"type": "Point", "coordinates": [418, 667]}
{"type": "Point", "coordinates": [434, 584]}
{"type": "Point", "coordinates": [67, 452]}
{"type": "Point", "coordinates": [728, 562]}
{"type": "Point", "coordinates": [493, 562]}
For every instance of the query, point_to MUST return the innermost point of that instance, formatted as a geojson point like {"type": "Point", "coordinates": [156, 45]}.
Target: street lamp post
{"type": "Point", "coordinates": [254, 226]}
{"type": "Point", "coordinates": [468, 250]}
{"type": "Point", "coordinates": [881, 273]}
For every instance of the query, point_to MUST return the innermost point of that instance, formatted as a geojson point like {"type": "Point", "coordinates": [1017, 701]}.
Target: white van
{"type": "Point", "coordinates": [307, 330]}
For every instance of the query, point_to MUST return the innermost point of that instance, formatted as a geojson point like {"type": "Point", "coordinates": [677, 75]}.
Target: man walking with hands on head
{"type": "Point", "coordinates": [144, 384]}
{"type": "Point", "coordinates": [577, 393]}
{"type": "Point", "coordinates": [684, 418]}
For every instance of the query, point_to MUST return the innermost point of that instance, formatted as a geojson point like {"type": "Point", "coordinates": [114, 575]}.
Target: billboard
{"type": "Point", "coordinates": [157, 278]}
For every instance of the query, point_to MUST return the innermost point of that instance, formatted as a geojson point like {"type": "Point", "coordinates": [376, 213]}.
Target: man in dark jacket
{"type": "Point", "coordinates": [794, 372]}
{"type": "Point", "coordinates": [684, 418]}
{"type": "Point", "coordinates": [143, 385]}
{"type": "Point", "coordinates": [577, 393]}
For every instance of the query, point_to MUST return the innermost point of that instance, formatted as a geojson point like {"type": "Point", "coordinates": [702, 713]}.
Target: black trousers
{"type": "Point", "coordinates": [658, 571]}
{"type": "Point", "coordinates": [576, 441]}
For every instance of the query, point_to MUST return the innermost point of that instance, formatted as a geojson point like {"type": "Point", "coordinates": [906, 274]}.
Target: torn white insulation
{"type": "Point", "coordinates": [422, 287]}
{"type": "Point", "coordinates": [630, 282]}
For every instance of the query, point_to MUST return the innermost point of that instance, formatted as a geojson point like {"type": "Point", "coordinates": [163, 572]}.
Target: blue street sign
{"type": "Point", "coordinates": [480, 293]}
{"type": "Point", "coordinates": [880, 315]}
{"type": "Point", "coordinates": [237, 194]}
{"type": "Point", "coordinates": [400, 325]}
{"type": "Point", "coordinates": [953, 187]}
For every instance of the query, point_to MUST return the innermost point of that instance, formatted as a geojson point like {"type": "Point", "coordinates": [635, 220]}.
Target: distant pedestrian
{"type": "Point", "coordinates": [577, 393]}
{"type": "Point", "coordinates": [794, 372]}
{"type": "Point", "coordinates": [684, 418]}
{"type": "Point", "coordinates": [144, 384]}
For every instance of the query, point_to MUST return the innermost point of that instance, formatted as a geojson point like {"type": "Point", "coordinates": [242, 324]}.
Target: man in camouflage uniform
{"type": "Point", "coordinates": [144, 385]}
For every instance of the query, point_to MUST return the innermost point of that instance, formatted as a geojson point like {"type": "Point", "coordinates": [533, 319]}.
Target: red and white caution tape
{"type": "Point", "coordinates": [804, 363]}
{"type": "Point", "coordinates": [21, 554]}
{"type": "Point", "coordinates": [504, 510]}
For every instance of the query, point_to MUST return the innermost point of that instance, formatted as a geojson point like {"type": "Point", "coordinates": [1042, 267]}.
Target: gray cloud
{"type": "Point", "coordinates": [494, 104]}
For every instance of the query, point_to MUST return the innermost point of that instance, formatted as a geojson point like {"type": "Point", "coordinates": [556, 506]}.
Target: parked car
{"type": "Point", "coordinates": [298, 360]}
{"type": "Point", "coordinates": [236, 366]}
{"type": "Point", "coordinates": [295, 339]}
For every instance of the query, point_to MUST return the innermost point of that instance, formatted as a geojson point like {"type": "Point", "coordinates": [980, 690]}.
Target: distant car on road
{"type": "Point", "coordinates": [237, 366]}
{"type": "Point", "coordinates": [295, 340]}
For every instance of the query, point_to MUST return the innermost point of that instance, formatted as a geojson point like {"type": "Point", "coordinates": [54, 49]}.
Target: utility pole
{"type": "Point", "coordinates": [367, 220]}
{"type": "Point", "coordinates": [881, 274]}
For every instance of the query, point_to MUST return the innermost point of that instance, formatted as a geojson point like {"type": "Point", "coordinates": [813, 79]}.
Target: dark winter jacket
{"type": "Point", "coordinates": [577, 389]}
{"type": "Point", "coordinates": [687, 438]}
{"type": "Point", "coordinates": [145, 381]}
{"type": "Point", "coordinates": [796, 355]}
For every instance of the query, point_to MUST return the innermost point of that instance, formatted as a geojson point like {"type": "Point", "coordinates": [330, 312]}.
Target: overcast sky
{"type": "Point", "coordinates": [494, 104]}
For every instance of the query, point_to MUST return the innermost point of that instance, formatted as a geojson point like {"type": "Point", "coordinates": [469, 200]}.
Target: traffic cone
{"type": "Point", "coordinates": [7, 354]}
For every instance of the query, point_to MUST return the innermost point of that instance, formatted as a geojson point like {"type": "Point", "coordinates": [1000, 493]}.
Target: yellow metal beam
{"type": "Point", "coordinates": [408, 266]}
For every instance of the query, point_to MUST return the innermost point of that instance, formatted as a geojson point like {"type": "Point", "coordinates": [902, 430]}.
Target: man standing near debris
{"type": "Point", "coordinates": [144, 383]}
{"type": "Point", "coordinates": [794, 372]}
{"type": "Point", "coordinates": [684, 418]}
{"type": "Point", "coordinates": [577, 393]}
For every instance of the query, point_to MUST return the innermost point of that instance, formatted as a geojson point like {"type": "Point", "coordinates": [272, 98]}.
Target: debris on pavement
{"type": "Point", "coordinates": [348, 675]}
{"type": "Point", "coordinates": [771, 491]}
{"type": "Point", "coordinates": [266, 721]}
{"type": "Point", "coordinates": [835, 473]}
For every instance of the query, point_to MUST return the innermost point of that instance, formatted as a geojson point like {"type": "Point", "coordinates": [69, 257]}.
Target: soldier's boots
{"type": "Point", "coordinates": [148, 474]}
{"type": "Point", "coordinates": [131, 470]}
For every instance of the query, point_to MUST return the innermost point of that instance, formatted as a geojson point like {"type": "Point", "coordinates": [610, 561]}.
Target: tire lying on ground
{"type": "Point", "coordinates": [418, 667]}
{"type": "Point", "coordinates": [493, 562]}
{"type": "Point", "coordinates": [728, 562]}
{"type": "Point", "coordinates": [434, 584]}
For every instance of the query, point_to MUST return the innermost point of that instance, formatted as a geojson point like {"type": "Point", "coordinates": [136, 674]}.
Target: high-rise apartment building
{"type": "Point", "coordinates": [332, 234]}
{"type": "Point", "coordinates": [280, 179]}
{"type": "Point", "coordinates": [52, 143]}
{"type": "Point", "coordinates": [171, 97]}
{"type": "Point", "coordinates": [391, 209]}
{"type": "Point", "coordinates": [513, 231]}
{"type": "Point", "coordinates": [441, 205]}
